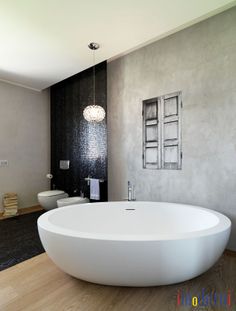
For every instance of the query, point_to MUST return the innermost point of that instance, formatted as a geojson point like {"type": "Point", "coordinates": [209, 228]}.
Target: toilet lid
{"type": "Point", "coordinates": [50, 193]}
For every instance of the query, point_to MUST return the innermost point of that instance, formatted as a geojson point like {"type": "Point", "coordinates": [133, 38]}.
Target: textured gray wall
{"type": "Point", "coordinates": [200, 61]}
{"type": "Point", "coordinates": [24, 142]}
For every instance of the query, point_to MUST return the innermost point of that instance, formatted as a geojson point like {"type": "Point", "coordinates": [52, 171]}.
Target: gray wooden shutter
{"type": "Point", "coordinates": [151, 132]}
{"type": "Point", "coordinates": [171, 131]}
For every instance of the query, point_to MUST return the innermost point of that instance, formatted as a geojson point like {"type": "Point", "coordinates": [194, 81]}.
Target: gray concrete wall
{"type": "Point", "coordinates": [24, 142]}
{"type": "Point", "coordinates": [200, 61]}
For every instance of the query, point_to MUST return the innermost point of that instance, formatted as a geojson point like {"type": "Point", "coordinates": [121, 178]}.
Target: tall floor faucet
{"type": "Point", "coordinates": [131, 192]}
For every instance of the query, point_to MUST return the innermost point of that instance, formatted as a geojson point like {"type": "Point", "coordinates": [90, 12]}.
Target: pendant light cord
{"type": "Point", "coordinates": [94, 86]}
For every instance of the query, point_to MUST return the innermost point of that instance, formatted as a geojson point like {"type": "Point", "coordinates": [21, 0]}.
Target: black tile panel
{"type": "Point", "coordinates": [75, 139]}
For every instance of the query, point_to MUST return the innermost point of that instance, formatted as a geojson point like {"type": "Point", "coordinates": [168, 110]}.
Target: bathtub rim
{"type": "Point", "coordinates": [43, 223]}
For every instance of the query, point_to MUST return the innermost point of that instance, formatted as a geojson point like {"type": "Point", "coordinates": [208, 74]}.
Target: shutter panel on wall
{"type": "Point", "coordinates": [151, 132]}
{"type": "Point", "coordinates": [171, 131]}
{"type": "Point", "coordinates": [162, 132]}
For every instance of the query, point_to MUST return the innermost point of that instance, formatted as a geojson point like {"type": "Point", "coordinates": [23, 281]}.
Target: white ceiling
{"type": "Point", "coordinates": [45, 41]}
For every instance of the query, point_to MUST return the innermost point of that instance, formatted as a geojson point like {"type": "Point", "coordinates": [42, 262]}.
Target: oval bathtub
{"type": "Point", "coordinates": [134, 243]}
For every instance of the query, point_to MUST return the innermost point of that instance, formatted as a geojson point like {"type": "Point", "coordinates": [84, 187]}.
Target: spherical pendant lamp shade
{"type": "Point", "coordinates": [94, 113]}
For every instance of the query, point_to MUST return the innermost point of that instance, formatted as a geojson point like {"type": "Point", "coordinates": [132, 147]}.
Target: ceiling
{"type": "Point", "coordinates": [43, 42]}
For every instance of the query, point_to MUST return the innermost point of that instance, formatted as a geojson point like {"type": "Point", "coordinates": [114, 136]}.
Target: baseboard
{"type": "Point", "coordinates": [23, 211]}
{"type": "Point", "coordinates": [229, 252]}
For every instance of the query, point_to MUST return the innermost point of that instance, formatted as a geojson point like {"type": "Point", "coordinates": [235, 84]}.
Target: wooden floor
{"type": "Point", "coordinates": [23, 211]}
{"type": "Point", "coordinates": [37, 284]}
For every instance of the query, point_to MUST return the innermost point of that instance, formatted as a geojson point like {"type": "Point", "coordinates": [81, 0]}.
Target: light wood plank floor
{"type": "Point", "coordinates": [37, 284]}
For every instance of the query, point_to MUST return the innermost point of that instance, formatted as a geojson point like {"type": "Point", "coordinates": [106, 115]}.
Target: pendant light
{"type": "Point", "coordinates": [94, 113]}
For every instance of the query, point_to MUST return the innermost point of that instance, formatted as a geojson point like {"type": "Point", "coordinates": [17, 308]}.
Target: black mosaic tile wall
{"type": "Point", "coordinates": [75, 139]}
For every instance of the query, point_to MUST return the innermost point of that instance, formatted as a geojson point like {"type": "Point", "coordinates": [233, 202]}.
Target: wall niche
{"type": "Point", "coordinates": [84, 144]}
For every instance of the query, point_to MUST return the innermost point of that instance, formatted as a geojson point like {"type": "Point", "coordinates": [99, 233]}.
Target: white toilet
{"type": "Point", "coordinates": [72, 201]}
{"type": "Point", "coordinates": [48, 199]}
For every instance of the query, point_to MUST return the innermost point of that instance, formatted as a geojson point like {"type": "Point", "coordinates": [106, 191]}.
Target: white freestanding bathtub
{"type": "Point", "coordinates": [134, 243]}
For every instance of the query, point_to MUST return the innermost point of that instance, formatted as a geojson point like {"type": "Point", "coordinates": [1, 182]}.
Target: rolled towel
{"type": "Point", "coordinates": [10, 213]}
{"type": "Point", "coordinates": [6, 201]}
{"type": "Point", "coordinates": [10, 194]}
{"type": "Point", "coordinates": [11, 207]}
{"type": "Point", "coordinates": [9, 201]}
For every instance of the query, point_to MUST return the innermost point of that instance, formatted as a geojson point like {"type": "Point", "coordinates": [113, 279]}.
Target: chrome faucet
{"type": "Point", "coordinates": [131, 192]}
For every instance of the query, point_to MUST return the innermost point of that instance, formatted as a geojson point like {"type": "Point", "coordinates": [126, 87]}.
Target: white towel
{"type": "Point", "coordinates": [94, 189]}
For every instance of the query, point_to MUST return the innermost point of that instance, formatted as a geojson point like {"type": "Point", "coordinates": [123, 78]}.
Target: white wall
{"type": "Point", "coordinates": [200, 61]}
{"type": "Point", "coordinates": [24, 142]}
